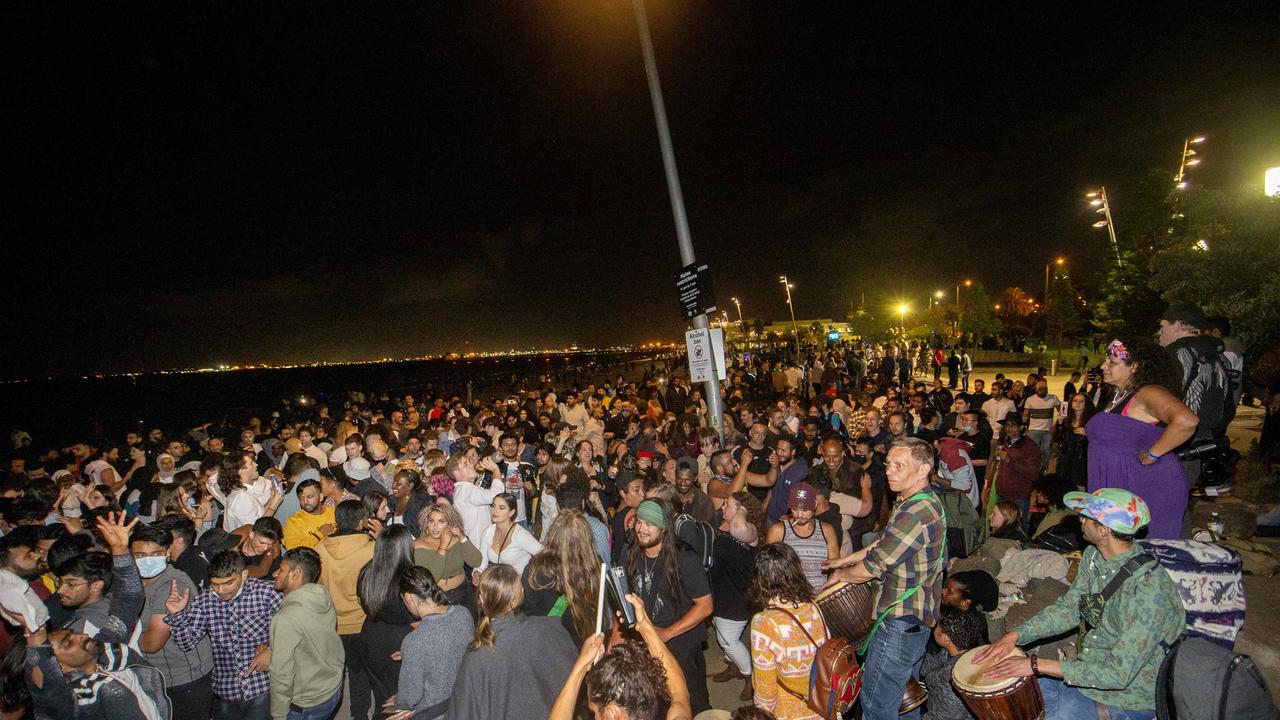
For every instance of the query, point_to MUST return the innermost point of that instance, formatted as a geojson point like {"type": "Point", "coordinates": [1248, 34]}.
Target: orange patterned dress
{"type": "Point", "coordinates": [781, 655]}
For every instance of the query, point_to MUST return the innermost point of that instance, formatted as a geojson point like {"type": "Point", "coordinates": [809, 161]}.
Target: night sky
{"type": "Point", "coordinates": [190, 184]}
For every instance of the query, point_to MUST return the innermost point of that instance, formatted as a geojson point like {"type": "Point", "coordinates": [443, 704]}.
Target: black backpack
{"type": "Point", "coordinates": [699, 536]}
{"type": "Point", "coordinates": [1199, 680]}
{"type": "Point", "coordinates": [1212, 389]}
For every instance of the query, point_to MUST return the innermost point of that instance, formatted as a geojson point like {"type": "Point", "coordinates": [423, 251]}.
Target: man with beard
{"type": "Point", "coordinates": [676, 595]}
{"type": "Point", "coordinates": [791, 470]}
{"type": "Point", "coordinates": [855, 492]}
{"type": "Point", "coordinates": [105, 590]}
{"type": "Point", "coordinates": [813, 540]}
{"type": "Point", "coordinates": [517, 476]}
{"type": "Point", "coordinates": [695, 503]}
{"type": "Point", "coordinates": [307, 657]}
{"type": "Point", "coordinates": [313, 521]}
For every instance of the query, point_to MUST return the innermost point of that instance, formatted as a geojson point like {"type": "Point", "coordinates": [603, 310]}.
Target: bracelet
{"type": "Point", "coordinates": [1152, 455]}
{"type": "Point", "coordinates": [1035, 666]}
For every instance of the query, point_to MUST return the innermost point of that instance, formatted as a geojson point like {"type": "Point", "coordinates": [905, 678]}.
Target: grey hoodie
{"type": "Point", "coordinates": [306, 653]}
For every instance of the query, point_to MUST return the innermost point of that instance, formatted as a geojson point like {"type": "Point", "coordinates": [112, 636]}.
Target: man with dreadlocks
{"type": "Point", "coordinates": [676, 594]}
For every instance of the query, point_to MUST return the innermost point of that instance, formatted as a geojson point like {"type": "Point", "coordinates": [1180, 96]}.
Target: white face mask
{"type": "Point", "coordinates": [151, 566]}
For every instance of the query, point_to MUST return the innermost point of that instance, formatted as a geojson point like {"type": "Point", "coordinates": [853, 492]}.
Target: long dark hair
{"type": "Point", "coordinates": [1070, 420]}
{"type": "Point", "coordinates": [377, 585]}
{"type": "Point", "coordinates": [778, 574]}
{"type": "Point", "coordinates": [1155, 366]}
{"type": "Point", "coordinates": [568, 564]}
{"type": "Point", "coordinates": [670, 561]}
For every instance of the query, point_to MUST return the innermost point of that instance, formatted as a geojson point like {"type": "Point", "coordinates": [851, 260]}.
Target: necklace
{"type": "Point", "coordinates": [645, 581]}
{"type": "Point", "coordinates": [1120, 397]}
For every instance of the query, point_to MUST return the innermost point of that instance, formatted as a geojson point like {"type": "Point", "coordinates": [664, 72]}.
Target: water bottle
{"type": "Point", "coordinates": [1215, 524]}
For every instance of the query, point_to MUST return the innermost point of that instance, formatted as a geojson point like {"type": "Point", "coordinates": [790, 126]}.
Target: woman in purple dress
{"type": "Point", "coordinates": [1131, 442]}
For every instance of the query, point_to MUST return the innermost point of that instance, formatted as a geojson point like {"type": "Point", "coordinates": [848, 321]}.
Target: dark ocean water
{"type": "Point", "coordinates": [60, 410]}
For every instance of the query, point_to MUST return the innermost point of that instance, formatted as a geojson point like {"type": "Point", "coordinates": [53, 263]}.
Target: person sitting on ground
{"type": "Point", "coordinates": [1122, 639]}
{"type": "Point", "coordinates": [971, 589]}
{"type": "Point", "coordinates": [1006, 522]}
{"type": "Point", "coordinates": [957, 632]}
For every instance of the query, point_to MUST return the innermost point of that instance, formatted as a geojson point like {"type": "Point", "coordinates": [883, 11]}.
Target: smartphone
{"type": "Point", "coordinates": [618, 590]}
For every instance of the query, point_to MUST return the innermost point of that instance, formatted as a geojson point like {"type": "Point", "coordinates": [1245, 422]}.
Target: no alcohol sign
{"type": "Point", "coordinates": [706, 351]}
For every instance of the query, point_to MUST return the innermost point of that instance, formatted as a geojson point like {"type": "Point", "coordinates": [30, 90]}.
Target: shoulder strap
{"type": "Point", "coordinates": [796, 620]}
{"type": "Point", "coordinates": [1134, 564]}
{"type": "Point", "coordinates": [924, 495]}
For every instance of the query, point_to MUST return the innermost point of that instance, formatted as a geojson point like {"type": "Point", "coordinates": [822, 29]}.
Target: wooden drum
{"type": "Point", "coordinates": [1007, 699]}
{"type": "Point", "coordinates": [848, 610]}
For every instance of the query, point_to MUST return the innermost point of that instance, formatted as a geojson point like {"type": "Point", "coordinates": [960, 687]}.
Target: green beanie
{"type": "Point", "coordinates": [651, 512]}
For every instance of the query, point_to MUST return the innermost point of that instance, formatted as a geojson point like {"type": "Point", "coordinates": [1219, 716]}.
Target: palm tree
{"type": "Point", "coordinates": [1015, 302]}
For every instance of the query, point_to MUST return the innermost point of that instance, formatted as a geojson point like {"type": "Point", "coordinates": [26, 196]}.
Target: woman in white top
{"type": "Point", "coordinates": [504, 542]}
{"type": "Point", "coordinates": [245, 495]}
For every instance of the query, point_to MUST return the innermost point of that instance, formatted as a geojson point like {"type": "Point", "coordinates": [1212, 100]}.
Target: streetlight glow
{"type": "Point", "coordinates": [1271, 183]}
{"type": "Point", "coordinates": [1095, 202]}
{"type": "Point", "coordinates": [1199, 139]}
{"type": "Point", "coordinates": [939, 294]}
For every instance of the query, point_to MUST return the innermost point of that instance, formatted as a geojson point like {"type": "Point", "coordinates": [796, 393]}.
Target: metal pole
{"type": "Point", "coordinates": [715, 406]}
{"type": "Point", "coordinates": [1111, 226]}
{"type": "Point", "coordinates": [1046, 287]}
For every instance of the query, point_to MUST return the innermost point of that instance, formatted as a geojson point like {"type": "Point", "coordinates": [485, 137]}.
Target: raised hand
{"type": "Point", "coordinates": [177, 602]}
{"type": "Point", "coordinates": [115, 531]}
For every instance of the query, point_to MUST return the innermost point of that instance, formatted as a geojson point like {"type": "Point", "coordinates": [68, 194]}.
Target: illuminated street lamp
{"type": "Point", "coordinates": [741, 324]}
{"type": "Point", "coordinates": [1059, 262]}
{"type": "Point", "coordinates": [1188, 159]}
{"type": "Point", "coordinates": [1271, 182]}
{"type": "Point", "coordinates": [937, 295]}
{"type": "Point", "coordinates": [955, 325]}
{"type": "Point", "coordinates": [902, 320]}
{"type": "Point", "coordinates": [794, 328]}
{"type": "Point", "coordinates": [1098, 199]}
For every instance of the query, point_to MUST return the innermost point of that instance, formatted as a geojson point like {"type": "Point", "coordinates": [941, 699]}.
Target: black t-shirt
{"type": "Point", "coordinates": [649, 582]}
{"type": "Point", "coordinates": [830, 517]}
{"type": "Point", "coordinates": [731, 576]}
{"type": "Point", "coordinates": [621, 534]}
{"type": "Point", "coordinates": [759, 458]}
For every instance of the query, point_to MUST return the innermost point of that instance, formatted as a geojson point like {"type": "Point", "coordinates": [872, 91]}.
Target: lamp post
{"type": "Point", "coordinates": [902, 322]}
{"type": "Point", "coordinates": [795, 329]}
{"type": "Point", "coordinates": [1187, 159]}
{"type": "Point", "coordinates": [1098, 199]}
{"type": "Point", "coordinates": [715, 409]}
{"type": "Point", "coordinates": [741, 325]}
{"type": "Point", "coordinates": [1059, 261]}
{"type": "Point", "coordinates": [955, 326]}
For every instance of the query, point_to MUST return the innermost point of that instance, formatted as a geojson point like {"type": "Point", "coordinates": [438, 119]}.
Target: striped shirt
{"type": "Point", "coordinates": [911, 552]}
{"type": "Point", "coordinates": [812, 551]}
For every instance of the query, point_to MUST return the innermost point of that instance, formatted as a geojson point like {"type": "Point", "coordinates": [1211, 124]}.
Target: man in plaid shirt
{"type": "Point", "coordinates": [235, 611]}
{"type": "Point", "coordinates": [908, 560]}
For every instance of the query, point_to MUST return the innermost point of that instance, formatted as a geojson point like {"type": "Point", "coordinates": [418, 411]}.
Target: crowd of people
{"type": "Point", "coordinates": [424, 557]}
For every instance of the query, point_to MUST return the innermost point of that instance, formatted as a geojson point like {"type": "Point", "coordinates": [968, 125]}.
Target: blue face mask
{"type": "Point", "coordinates": [149, 567]}
{"type": "Point", "coordinates": [191, 502]}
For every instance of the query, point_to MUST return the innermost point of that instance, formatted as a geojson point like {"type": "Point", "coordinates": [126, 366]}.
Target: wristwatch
{"type": "Point", "coordinates": [1035, 667]}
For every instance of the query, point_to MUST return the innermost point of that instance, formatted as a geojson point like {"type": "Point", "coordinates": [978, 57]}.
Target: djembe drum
{"type": "Point", "coordinates": [847, 610]}
{"type": "Point", "coordinates": [1007, 699]}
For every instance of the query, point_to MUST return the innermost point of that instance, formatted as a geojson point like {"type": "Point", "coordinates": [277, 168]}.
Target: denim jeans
{"type": "Point", "coordinates": [255, 708]}
{"type": "Point", "coordinates": [1063, 702]}
{"type": "Point", "coordinates": [729, 635]}
{"type": "Point", "coordinates": [895, 655]}
{"type": "Point", "coordinates": [323, 711]}
{"type": "Point", "coordinates": [1043, 438]}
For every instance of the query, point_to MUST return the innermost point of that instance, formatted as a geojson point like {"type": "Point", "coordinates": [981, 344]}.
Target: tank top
{"type": "Point", "coordinates": [811, 550]}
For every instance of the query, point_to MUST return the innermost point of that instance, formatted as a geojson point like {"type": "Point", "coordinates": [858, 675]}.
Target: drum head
{"type": "Point", "coordinates": [968, 675]}
{"type": "Point", "coordinates": [835, 588]}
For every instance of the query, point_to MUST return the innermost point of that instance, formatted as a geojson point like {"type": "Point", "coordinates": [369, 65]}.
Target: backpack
{"type": "Point", "coordinates": [835, 677]}
{"type": "Point", "coordinates": [1210, 584]}
{"type": "Point", "coordinates": [1211, 388]}
{"type": "Point", "coordinates": [699, 536]}
{"type": "Point", "coordinates": [1199, 680]}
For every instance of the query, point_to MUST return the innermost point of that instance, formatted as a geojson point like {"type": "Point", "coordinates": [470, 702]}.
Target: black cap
{"type": "Point", "coordinates": [1186, 313]}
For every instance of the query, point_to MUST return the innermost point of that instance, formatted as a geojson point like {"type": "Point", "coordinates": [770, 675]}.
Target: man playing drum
{"type": "Point", "coordinates": [908, 560]}
{"type": "Point", "coordinates": [1125, 605]}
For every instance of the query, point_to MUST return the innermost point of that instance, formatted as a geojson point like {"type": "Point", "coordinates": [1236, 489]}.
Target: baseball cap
{"type": "Point", "coordinates": [1118, 509]}
{"type": "Point", "coordinates": [1184, 312]}
{"type": "Point", "coordinates": [802, 497]}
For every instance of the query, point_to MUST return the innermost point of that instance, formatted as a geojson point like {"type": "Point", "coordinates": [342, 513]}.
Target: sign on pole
{"type": "Point", "coordinates": [706, 354]}
{"type": "Point", "coordinates": [693, 283]}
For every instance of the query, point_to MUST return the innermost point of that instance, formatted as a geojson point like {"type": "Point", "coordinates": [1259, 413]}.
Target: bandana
{"type": "Point", "coordinates": [651, 512]}
{"type": "Point", "coordinates": [1118, 351]}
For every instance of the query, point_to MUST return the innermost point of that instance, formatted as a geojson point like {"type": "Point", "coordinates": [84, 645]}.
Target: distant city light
{"type": "Point", "coordinates": [1272, 184]}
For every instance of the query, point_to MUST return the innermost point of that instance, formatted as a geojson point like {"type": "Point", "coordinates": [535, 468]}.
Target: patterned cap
{"type": "Point", "coordinates": [802, 497]}
{"type": "Point", "coordinates": [1118, 509]}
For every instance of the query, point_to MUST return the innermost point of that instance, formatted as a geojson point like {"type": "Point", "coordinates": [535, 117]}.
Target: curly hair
{"type": "Point", "coordinates": [451, 517]}
{"type": "Point", "coordinates": [966, 628]}
{"type": "Point", "coordinates": [630, 678]}
{"type": "Point", "coordinates": [1154, 366]}
{"type": "Point", "coordinates": [756, 514]}
{"type": "Point", "coordinates": [778, 574]}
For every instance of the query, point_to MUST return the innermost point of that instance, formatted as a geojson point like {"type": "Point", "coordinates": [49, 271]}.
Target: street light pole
{"type": "Point", "coordinates": [795, 329]}
{"type": "Point", "coordinates": [1187, 158]}
{"type": "Point", "coordinates": [1103, 205]}
{"type": "Point", "coordinates": [741, 325]}
{"type": "Point", "coordinates": [715, 407]}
